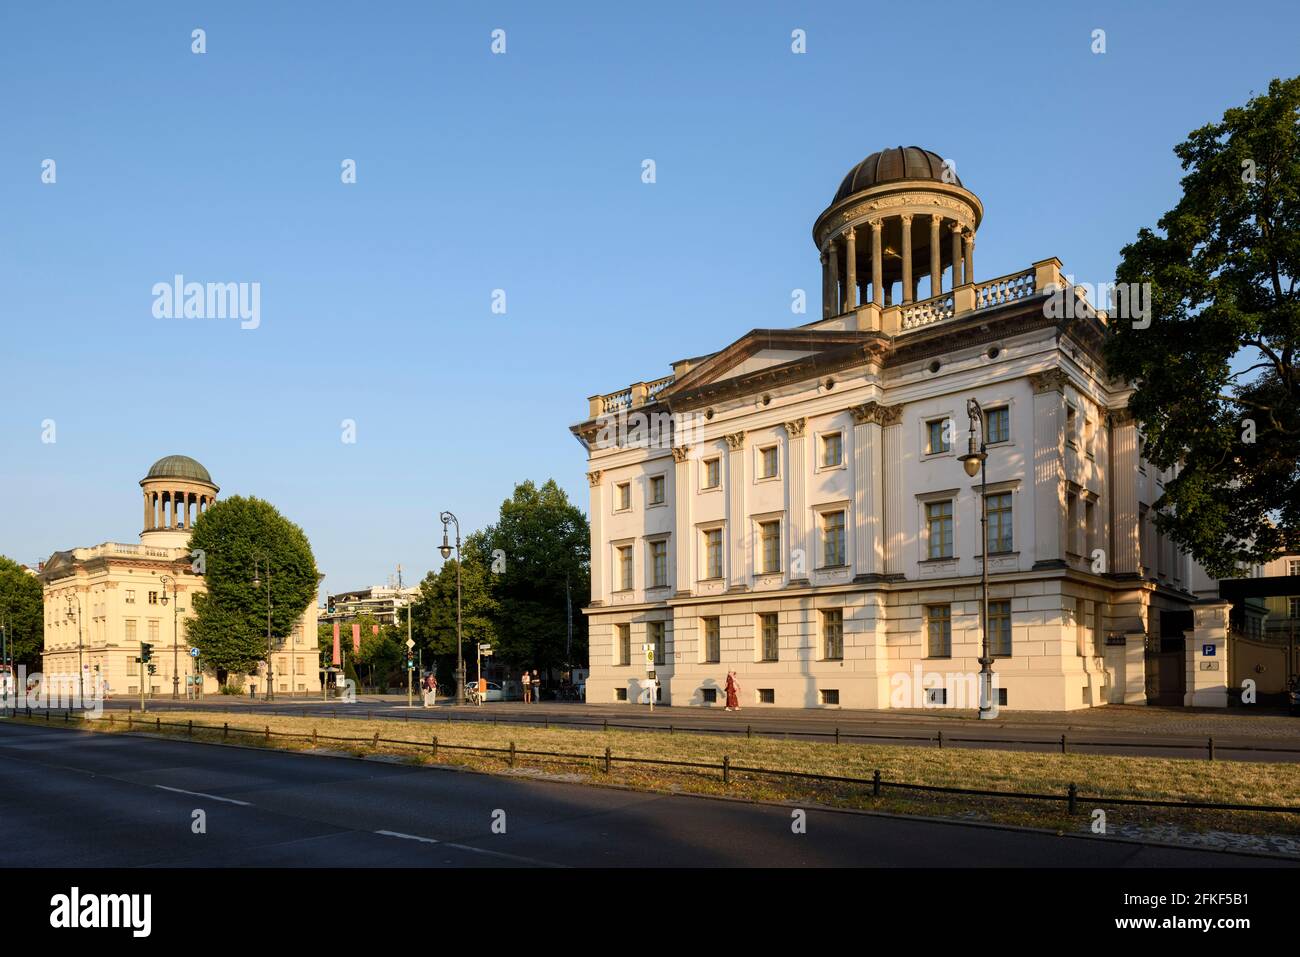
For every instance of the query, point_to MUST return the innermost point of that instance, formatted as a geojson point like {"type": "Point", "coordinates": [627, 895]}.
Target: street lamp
{"type": "Point", "coordinates": [81, 691]}
{"type": "Point", "coordinates": [259, 560]}
{"type": "Point", "coordinates": [974, 462]}
{"type": "Point", "coordinates": [445, 551]}
{"type": "Point", "coordinates": [165, 581]}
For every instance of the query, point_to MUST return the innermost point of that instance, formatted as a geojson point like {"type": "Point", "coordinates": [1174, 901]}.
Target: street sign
{"type": "Point", "coordinates": [484, 647]}
{"type": "Point", "coordinates": [1208, 651]}
{"type": "Point", "coordinates": [194, 652]}
{"type": "Point", "coordinates": [486, 654]}
{"type": "Point", "coordinates": [409, 644]}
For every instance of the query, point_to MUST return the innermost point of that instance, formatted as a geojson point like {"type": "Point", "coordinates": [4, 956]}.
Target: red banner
{"type": "Point", "coordinates": [338, 660]}
{"type": "Point", "coordinates": [356, 639]}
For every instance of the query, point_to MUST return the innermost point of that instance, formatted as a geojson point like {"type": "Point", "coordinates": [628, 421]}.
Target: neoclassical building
{"type": "Point", "coordinates": [793, 507]}
{"type": "Point", "coordinates": [101, 602]}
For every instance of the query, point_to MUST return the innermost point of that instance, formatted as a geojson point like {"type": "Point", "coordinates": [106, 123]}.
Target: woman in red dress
{"type": "Point", "coordinates": [733, 692]}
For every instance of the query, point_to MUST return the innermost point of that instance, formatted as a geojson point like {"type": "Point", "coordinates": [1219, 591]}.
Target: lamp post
{"type": "Point", "coordinates": [974, 461]}
{"type": "Point", "coordinates": [165, 581]}
{"type": "Point", "coordinates": [263, 559]}
{"type": "Point", "coordinates": [80, 680]}
{"type": "Point", "coordinates": [445, 551]}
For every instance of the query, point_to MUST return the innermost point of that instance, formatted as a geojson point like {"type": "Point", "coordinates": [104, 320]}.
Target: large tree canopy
{"type": "Point", "coordinates": [1217, 390]}
{"type": "Point", "coordinates": [22, 612]}
{"type": "Point", "coordinates": [235, 535]}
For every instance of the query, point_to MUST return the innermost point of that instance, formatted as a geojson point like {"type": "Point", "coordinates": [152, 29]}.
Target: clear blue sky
{"type": "Point", "coordinates": [519, 172]}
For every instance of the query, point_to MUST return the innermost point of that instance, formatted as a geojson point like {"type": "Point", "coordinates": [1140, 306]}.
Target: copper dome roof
{"type": "Point", "coordinates": [179, 467]}
{"type": "Point", "coordinates": [898, 163]}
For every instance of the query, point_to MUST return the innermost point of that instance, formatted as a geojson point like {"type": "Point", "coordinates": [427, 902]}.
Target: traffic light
{"type": "Point", "coordinates": [146, 651]}
{"type": "Point", "coordinates": [153, 669]}
{"type": "Point", "coordinates": [330, 606]}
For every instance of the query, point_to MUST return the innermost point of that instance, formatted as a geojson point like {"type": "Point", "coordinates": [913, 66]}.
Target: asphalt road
{"type": "Point", "coordinates": [72, 798]}
{"type": "Point", "coordinates": [863, 727]}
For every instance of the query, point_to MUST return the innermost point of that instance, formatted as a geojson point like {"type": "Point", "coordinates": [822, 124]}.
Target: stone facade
{"type": "Point", "coordinates": [794, 507]}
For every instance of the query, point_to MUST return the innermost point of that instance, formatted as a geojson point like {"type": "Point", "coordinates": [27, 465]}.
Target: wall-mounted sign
{"type": "Point", "coordinates": [1209, 666]}
{"type": "Point", "coordinates": [1209, 650]}
{"type": "Point", "coordinates": [1116, 638]}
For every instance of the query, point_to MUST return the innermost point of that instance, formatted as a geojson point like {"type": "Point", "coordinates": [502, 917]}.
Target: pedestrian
{"type": "Point", "coordinates": [733, 692]}
{"type": "Point", "coordinates": [528, 687]}
{"type": "Point", "coordinates": [537, 686]}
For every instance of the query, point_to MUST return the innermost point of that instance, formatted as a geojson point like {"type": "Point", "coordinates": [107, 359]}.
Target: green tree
{"type": "Point", "coordinates": [1217, 389]}
{"type": "Point", "coordinates": [544, 542]}
{"type": "Point", "coordinates": [22, 612]}
{"type": "Point", "coordinates": [230, 619]}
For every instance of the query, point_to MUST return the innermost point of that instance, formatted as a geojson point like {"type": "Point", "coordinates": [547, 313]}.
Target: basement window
{"type": "Point", "coordinates": [766, 696]}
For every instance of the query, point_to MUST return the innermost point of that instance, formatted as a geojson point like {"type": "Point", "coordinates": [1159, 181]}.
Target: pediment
{"type": "Point", "coordinates": [775, 355]}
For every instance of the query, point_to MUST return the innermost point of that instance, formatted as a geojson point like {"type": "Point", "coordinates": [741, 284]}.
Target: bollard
{"type": "Point", "coordinates": [157, 724]}
{"type": "Point", "coordinates": [607, 759]}
{"type": "Point", "coordinates": [726, 769]}
{"type": "Point", "coordinates": [605, 725]}
{"type": "Point", "coordinates": [225, 730]}
{"type": "Point", "coordinates": [1210, 747]}
{"type": "Point", "coordinates": [313, 737]}
{"type": "Point", "coordinates": [749, 730]}
{"type": "Point", "coordinates": [875, 783]}
{"type": "Point", "coordinates": [1062, 744]}
{"type": "Point", "coordinates": [941, 739]}
{"type": "Point", "coordinates": [512, 754]}
{"type": "Point", "coordinates": [1073, 793]}
{"type": "Point", "coordinates": [837, 735]}
{"type": "Point", "coordinates": [190, 727]}
{"type": "Point", "coordinates": [268, 732]}
{"type": "Point", "coordinates": [670, 729]}
{"type": "Point", "coordinates": [435, 745]}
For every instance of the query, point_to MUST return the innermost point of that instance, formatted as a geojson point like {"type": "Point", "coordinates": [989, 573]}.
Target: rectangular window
{"type": "Point", "coordinates": [1071, 424]}
{"type": "Point", "coordinates": [997, 425]}
{"type": "Point", "coordinates": [833, 634]}
{"type": "Point", "coordinates": [1293, 566]}
{"type": "Point", "coordinates": [1071, 523]}
{"type": "Point", "coordinates": [1089, 527]}
{"type": "Point", "coordinates": [999, 526]}
{"type": "Point", "coordinates": [1295, 608]}
{"type": "Point", "coordinates": [771, 536]}
{"type": "Point", "coordinates": [713, 553]}
{"type": "Point", "coordinates": [710, 695]}
{"type": "Point", "coordinates": [712, 473]}
{"type": "Point", "coordinates": [830, 696]}
{"type": "Point", "coordinates": [767, 462]}
{"type": "Point", "coordinates": [659, 564]}
{"type": "Point", "coordinates": [769, 632]}
{"type": "Point", "coordinates": [623, 644]}
{"type": "Point", "coordinates": [937, 434]}
{"type": "Point", "coordinates": [767, 696]}
{"type": "Point", "coordinates": [153, 630]}
{"type": "Point", "coordinates": [620, 694]}
{"type": "Point", "coordinates": [712, 640]}
{"type": "Point", "coordinates": [1089, 438]}
{"type": "Point", "coordinates": [938, 628]}
{"type": "Point", "coordinates": [832, 449]}
{"type": "Point", "coordinates": [130, 630]}
{"type": "Point", "coordinates": [153, 598]}
{"type": "Point", "coordinates": [624, 493]}
{"type": "Point", "coordinates": [625, 567]}
{"type": "Point", "coordinates": [938, 529]}
{"type": "Point", "coordinates": [656, 490]}
{"type": "Point", "coordinates": [130, 597]}
{"type": "Point", "coordinates": [655, 636]}
{"type": "Point", "coordinates": [1000, 629]}
{"type": "Point", "coordinates": [832, 539]}
{"type": "Point", "coordinates": [133, 664]}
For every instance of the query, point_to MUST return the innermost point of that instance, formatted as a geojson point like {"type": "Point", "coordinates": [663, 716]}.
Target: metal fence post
{"type": "Point", "coordinates": [875, 783]}
{"type": "Point", "coordinates": [512, 754]}
{"type": "Point", "coordinates": [376, 744]}
{"type": "Point", "coordinates": [313, 737]}
{"type": "Point", "coordinates": [607, 759]}
{"type": "Point", "coordinates": [1073, 794]}
{"type": "Point", "coordinates": [837, 735]}
{"type": "Point", "coordinates": [128, 721]}
{"type": "Point", "coordinates": [1062, 744]}
{"type": "Point", "coordinates": [189, 729]}
{"type": "Point", "coordinates": [941, 739]}
{"type": "Point", "coordinates": [1210, 747]}
{"type": "Point", "coordinates": [225, 730]}
{"type": "Point", "coordinates": [157, 724]}
{"type": "Point", "coordinates": [268, 732]}
{"type": "Point", "coordinates": [435, 745]}
{"type": "Point", "coordinates": [749, 730]}
{"type": "Point", "coordinates": [726, 769]}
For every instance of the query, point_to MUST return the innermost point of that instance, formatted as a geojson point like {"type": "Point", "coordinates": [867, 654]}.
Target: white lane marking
{"type": "Point", "coordinates": [466, 847]}
{"type": "Point", "coordinates": [409, 837]}
{"type": "Point", "coordinates": [210, 797]}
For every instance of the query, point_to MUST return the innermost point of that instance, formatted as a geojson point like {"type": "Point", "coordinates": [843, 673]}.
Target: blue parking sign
{"type": "Point", "coordinates": [1208, 650]}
